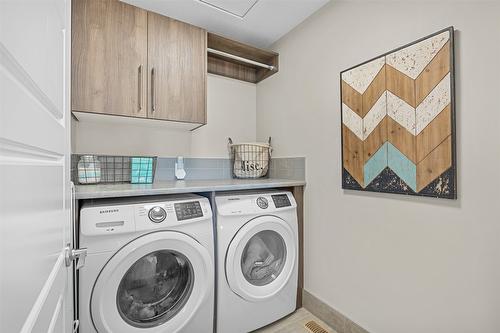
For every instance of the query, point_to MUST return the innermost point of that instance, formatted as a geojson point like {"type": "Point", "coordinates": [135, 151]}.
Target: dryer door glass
{"type": "Point", "coordinates": [263, 258]}
{"type": "Point", "coordinates": [155, 288]}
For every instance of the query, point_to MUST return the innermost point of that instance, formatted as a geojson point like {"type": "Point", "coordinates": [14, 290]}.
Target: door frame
{"type": "Point", "coordinates": [34, 71]}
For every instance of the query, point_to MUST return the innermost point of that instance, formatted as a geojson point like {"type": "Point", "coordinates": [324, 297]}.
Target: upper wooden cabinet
{"type": "Point", "coordinates": [109, 58]}
{"type": "Point", "coordinates": [177, 65]}
{"type": "Point", "coordinates": [127, 61]}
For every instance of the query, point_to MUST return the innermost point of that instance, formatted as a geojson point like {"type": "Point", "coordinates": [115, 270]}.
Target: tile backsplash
{"type": "Point", "coordinates": [288, 168]}
{"type": "Point", "coordinates": [116, 169]}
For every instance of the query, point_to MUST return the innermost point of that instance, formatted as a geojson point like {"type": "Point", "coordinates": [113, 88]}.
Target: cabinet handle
{"type": "Point", "coordinates": [140, 88]}
{"type": "Point", "coordinates": [153, 94]}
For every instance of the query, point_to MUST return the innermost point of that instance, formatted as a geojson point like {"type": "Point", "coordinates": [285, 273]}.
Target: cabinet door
{"type": "Point", "coordinates": [109, 54]}
{"type": "Point", "coordinates": [177, 70]}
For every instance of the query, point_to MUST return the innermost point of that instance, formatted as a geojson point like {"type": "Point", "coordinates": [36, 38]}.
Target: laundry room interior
{"type": "Point", "coordinates": [233, 166]}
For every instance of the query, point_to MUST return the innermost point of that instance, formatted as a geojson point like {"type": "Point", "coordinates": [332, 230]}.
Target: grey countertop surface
{"type": "Point", "coordinates": [181, 186]}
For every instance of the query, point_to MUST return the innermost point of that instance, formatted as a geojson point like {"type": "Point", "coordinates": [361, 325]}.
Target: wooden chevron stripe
{"type": "Point", "coordinates": [403, 140]}
{"type": "Point", "coordinates": [413, 59]}
{"type": "Point", "coordinates": [433, 73]}
{"type": "Point", "coordinates": [374, 91]}
{"type": "Point", "coordinates": [436, 162]}
{"type": "Point", "coordinates": [435, 133]}
{"type": "Point", "coordinates": [352, 153]}
{"type": "Point", "coordinates": [400, 85]}
{"type": "Point", "coordinates": [375, 140]}
{"type": "Point", "coordinates": [363, 127]}
{"type": "Point", "coordinates": [433, 104]}
{"type": "Point", "coordinates": [352, 98]}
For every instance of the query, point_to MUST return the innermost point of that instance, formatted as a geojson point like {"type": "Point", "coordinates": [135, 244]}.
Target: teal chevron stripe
{"type": "Point", "coordinates": [376, 164]}
{"type": "Point", "coordinates": [402, 166]}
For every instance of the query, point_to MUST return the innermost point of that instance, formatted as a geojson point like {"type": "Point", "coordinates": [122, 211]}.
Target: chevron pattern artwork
{"type": "Point", "coordinates": [398, 121]}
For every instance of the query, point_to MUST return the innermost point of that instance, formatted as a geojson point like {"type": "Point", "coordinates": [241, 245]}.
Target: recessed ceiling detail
{"type": "Point", "coordinates": [256, 22]}
{"type": "Point", "coordinates": [238, 8]}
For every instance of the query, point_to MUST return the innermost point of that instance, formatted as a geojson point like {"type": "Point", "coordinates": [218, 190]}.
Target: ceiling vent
{"type": "Point", "coordinates": [238, 8]}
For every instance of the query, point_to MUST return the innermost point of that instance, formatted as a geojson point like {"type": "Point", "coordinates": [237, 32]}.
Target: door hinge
{"type": "Point", "coordinates": [77, 255]}
{"type": "Point", "coordinates": [76, 325]}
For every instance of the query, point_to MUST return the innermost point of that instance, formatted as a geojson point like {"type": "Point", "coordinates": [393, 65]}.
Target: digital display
{"type": "Point", "coordinates": [281, 200]}
{"type": "Point", "coordinates": [188, 210]}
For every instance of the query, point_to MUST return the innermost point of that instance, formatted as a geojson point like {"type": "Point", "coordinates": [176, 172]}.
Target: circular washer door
{"type": "Point", "coordinates": [155, 283]}
{"type": "Point", "coordinates": [260, 258]}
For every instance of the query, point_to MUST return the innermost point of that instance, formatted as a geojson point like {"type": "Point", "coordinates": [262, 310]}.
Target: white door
{"type": "Point", "coordinates": [154, 284]}
{"type": "Point", "coordinates": [261, 257]}
{"type": "Point", "coordinates": [35, 193]}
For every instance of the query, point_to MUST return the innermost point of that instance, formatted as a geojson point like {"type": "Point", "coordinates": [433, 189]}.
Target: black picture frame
{"type": "Point", "coordinates": [349, 185]}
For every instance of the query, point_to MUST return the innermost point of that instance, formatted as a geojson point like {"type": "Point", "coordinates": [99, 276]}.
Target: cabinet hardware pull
{"type": "Point", "coordinates": [153, 94]}
{"type": "Point", "coordinates": [140, 88]}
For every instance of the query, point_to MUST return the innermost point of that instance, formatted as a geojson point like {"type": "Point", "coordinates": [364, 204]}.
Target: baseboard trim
{"type": "Point", "coordinates": [329, 315]}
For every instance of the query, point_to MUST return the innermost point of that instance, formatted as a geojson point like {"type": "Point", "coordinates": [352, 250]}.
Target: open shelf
{"type": "Point", "coordinates": [239, 61]}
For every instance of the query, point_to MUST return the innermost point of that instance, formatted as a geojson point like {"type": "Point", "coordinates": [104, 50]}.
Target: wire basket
{"type": "Point", "coordinates": [106, 169]}
{"type": "Point", "coordinates": [250, 160]}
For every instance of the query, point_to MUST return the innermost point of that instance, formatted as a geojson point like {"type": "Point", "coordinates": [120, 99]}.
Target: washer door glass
{"type": "Point", "coordinates": [155, 288]}
{"type": "Point", "coordinates": [263, 257]}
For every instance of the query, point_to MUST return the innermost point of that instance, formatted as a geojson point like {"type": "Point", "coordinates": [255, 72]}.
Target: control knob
{"type": "Point", "coordinates": [157, 214]}
{"type": "Point", "coordinates": [262, 202]}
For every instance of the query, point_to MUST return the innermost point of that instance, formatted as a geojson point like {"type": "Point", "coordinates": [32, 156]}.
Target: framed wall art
{"type": "Point", "coordinates": [398, 120]}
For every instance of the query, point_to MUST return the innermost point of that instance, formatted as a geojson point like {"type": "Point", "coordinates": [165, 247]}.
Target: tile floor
{"type": "Point", "coordinates": [294, 324]}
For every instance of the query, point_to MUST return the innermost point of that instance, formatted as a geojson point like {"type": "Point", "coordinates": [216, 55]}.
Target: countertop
{"type": "Point", "coordinates": [179, 186]}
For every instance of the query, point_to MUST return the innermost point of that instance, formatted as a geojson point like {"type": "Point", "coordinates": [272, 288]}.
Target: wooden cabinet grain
{"type": "Point", "coordinates": [177, 69]}
{"type": "Point", "coordinates": [130, 62]}
{"type": "Point", "coordinates": [109, 58]}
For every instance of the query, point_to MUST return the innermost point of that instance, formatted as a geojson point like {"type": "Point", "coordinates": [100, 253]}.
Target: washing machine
{"type": "Point", "coordinates": [149, 265]}
{"type": "Point", "coordinates": [257, 256]}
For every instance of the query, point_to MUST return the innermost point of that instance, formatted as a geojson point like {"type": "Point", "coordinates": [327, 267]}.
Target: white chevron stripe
{"type": "Point", "coordinates": [360, 77]}
{"type": "Point", "coordinates": [413, 59]}
{"type": "Point", "coordinates": [401, 112]}
{"type": "Point", "coordinates": [433, 104]}
{"type": "Point", "coordinates": [352, 121]}
{"type": "Point", "coordinates": [375, 115]}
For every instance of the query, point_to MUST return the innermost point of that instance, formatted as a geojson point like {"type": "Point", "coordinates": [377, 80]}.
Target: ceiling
{"type": "Point", "coordinates": [256, 22]}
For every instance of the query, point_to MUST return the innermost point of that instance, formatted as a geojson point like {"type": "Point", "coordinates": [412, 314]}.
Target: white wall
{"type": "Point", "coordinates": [117, 138]}
{"type": "Point", "coordinates": [394, 263]}
{"type": "Point", "coordinates": [231, 112]}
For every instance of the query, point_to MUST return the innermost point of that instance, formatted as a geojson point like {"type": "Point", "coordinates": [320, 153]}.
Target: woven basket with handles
{"type": "Point", "coordinates": [250, 160]}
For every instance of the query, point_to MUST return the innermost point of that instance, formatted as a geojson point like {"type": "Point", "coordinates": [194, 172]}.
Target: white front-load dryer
{"type": "Point", "coordinates": [257, 256]}
{"type": "Point", "coordinates": [149, 267]}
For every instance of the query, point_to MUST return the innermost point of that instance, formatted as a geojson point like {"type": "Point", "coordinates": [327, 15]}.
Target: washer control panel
{"type": "Point", "coordinates": [128, 215]}
{"type": "Point", "coordinates": [262, 202]}
{"type": "Point", "coordinates": [188, 210]}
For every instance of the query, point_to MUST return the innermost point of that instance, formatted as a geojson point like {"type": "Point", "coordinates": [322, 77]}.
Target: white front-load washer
{"type": "Point", "coordinates": [149, 265]}
{"type": "Point", "coordinates": [257, 256]}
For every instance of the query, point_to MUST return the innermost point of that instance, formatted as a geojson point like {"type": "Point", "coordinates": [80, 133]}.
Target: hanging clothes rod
{"type": "Point", "coordinates": [248, 61]}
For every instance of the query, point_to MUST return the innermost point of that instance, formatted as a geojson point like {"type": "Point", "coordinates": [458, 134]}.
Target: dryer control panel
{"type": "Point", "coordinates": [281, 200]}
{"type": "Point", "coordinates": [261, 203]}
